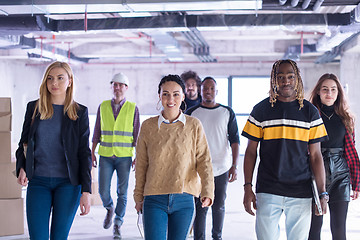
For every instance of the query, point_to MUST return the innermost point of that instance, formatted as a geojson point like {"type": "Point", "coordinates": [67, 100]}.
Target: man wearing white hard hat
{"type": "Point", "coordinates": [116, 129]}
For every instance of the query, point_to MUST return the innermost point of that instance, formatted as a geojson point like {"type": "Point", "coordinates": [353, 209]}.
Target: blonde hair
{"type": "Point", "coordinates": [44, 105]}
{"type": "Point", "coordinates": [341, 106]}
{"type": "Point", "coordinates": [274, 86]}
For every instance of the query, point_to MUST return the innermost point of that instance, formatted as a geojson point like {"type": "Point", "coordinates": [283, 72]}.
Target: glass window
{"type": "Point", "coordinates": [223, 90]}
{"type": "Point", "coordinates": [248, 91]}
{"type": "Point", "coordinates": [222, 84]}
{"type": "Point", "coordinates": [241, 120]}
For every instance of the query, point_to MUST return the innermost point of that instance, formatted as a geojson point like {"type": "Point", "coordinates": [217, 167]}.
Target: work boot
{"type": "Point", "coordinates": [117, 233]}
{"type": "Point", "coordinates": [108, 218]}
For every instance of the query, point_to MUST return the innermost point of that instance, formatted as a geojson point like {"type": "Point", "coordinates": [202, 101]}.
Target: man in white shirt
{"type": "Point", "coordinates": [222, 133]}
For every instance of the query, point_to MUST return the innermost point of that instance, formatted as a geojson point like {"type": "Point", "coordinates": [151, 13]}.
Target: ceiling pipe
{"type": "Point", "coordinates": [330, 56]}
{"type": "Point", "coordinates": [294, 51]}
{"type": "Point", "coordinates": [282, 2]}
{"type": "Point", "coordinates": [306, 4]}
{"type": "Point", "coordinates": [317, 5]}
{"type": "Point", "coordinates": [51, 48]}
{"type": "Point", "coordinates": [294, 3]}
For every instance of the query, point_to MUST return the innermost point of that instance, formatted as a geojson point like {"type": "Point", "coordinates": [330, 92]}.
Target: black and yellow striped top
{"type": "Point", "coordinates": [284, 133]}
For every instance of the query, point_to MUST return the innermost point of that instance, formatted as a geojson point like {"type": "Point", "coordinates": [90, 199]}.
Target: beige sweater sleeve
{"type": "Point", "coordinates": [203, 163]}
{"type": "Point", "coordinates": [141, 165]}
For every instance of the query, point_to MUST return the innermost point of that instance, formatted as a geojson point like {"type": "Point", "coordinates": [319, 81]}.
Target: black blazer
{"type": "Point", "coordinates": [75, 139]}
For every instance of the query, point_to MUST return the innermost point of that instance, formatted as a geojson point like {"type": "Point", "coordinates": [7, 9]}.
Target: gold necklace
{"type": "Point", "coordinates": [329, 117]}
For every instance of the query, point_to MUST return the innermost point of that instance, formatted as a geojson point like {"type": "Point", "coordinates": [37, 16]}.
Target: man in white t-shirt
{"type": "Point", "coordinates": [222, 133]}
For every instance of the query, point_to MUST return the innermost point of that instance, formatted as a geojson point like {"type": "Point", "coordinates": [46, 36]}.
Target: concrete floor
{"type": "Point", "coordinates": [238, 224]}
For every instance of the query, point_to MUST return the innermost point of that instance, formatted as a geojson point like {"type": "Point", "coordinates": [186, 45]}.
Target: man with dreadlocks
{"type": "Point", "coordinates": [289, 130]}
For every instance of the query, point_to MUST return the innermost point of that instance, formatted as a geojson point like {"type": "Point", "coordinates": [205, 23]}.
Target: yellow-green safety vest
{"type": "Point", "coordinates": [117, 135]}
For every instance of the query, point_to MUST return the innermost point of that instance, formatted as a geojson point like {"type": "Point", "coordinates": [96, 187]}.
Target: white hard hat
{"type": "Point", "coordinates": [120, 78]}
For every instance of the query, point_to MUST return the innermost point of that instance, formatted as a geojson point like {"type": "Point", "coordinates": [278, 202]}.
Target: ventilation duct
{"type": "Point", "coordinates": [13, 41]}
{"type": "Point", "coordinates": [330, 56]}
{"type": "Point", "coordinates": [293, 52]}
{"type": "Point", "coordinates": [16, 25]}
{"type": "Point", "coordinates": [167, 44]}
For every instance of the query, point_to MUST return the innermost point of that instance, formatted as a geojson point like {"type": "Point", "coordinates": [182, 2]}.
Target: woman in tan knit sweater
{"type": "Point", "coordinates": [171, 154]}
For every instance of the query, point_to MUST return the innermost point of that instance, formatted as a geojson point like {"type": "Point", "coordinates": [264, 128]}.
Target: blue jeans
{"type": "Point", "coordinates": [269, 210]}
{"type": "Point", "coordinates": [46, 195]}
{"type": "Point", "coordinates": [168, 216]}
{"type": "Point", "coordinates": [107, 166]}
{"type": "Point", "coordinates": [218, 211]}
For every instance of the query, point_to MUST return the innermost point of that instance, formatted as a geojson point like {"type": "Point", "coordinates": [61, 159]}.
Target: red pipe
{"type": "Point", "coordinates": [69, 52]}
{"type": "Point", "coordinates": [41, 47]}
{"type": "Point", "coordinates": [53, 38]}
{"type": "Point", "coordinates": [86, 19]}
{"type": "Point", "coordinates": [150, 49]}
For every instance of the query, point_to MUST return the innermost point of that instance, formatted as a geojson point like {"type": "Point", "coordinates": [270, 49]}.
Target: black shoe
{"type": "Point", "coordinates": [116, 232]}
{"type": "Point", "coordinates": [108, 218]}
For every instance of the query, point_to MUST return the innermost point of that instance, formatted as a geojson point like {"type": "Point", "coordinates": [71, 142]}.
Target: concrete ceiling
{"type": "Point", "coordinates": [123, 31]}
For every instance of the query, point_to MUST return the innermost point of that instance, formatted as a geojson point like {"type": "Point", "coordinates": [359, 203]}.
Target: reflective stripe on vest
{"type": "Point", "coordinates": [116, 135]}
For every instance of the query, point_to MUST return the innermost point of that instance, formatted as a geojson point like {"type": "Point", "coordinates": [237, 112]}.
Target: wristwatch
{"type": "Point", "coordinates": [324, 195]}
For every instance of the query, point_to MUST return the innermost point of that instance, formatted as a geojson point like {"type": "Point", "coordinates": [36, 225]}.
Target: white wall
{"type": "Point", "coordinates": [92, 84]}
{"type": "Point", "coordinates": [20, 82]}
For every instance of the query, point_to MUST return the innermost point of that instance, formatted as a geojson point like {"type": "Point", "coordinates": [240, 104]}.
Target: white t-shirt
{"type": "Point", "coordinates": [221, 131]}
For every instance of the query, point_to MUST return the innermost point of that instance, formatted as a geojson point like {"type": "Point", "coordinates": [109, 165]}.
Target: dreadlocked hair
{"type": "Point", "coordinates": [274, 86]}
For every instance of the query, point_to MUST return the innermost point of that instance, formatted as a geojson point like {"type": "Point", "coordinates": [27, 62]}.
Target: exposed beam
{"type": "Point", "coordinates": [174, 22]}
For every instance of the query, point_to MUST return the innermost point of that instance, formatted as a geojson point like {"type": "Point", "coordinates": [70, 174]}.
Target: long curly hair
{"type": "Point", "coordinates": [274, 86]}
{"type": "Point", "coordinates": [341, 106]}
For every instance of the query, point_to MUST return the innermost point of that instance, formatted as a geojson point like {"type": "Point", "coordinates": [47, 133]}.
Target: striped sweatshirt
{"type": "Point", "coordinates": [284, 132]}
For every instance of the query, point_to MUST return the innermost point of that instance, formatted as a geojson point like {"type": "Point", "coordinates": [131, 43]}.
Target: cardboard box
{"type": "Point", "coordinates": [11, 217]}
{"type": "Point", "coordinates": [5, 122]}
{"type": "Point", "coordinates": [5, 147]}
{"type": "Point", "coordinates": [5, 105]}
{"type": "Point", "coordinates": [5, 114]}
{"type": "Point", "coordinates": [9, 188]}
